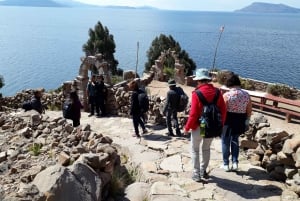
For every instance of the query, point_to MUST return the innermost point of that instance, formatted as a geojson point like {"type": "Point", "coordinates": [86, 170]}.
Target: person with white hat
{"type": "Point", "coordinates": [208, 91]}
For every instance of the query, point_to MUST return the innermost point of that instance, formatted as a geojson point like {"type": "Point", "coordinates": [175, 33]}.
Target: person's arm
{"type": "Point", "coordinates": [195, 113]}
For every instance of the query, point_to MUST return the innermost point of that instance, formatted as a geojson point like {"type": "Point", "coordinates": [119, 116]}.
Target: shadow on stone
{"type": "Point", "coordinates": [245, 190]}
{"type": "Point", "coordinates": [156, 137]}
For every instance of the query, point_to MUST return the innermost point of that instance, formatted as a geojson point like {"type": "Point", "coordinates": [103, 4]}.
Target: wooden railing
{"type": "Point", "coordinates": [263, 101]}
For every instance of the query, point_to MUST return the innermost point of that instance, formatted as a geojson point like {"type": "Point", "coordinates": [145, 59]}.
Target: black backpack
{"type": "Point", "coordinates": [143, 101]}
{"type": "Point", "coordinates": [67, 110]}
{"type": "Point", "coordinates": [183, 100]}
{"type": "Point", "coordinates": [27, 105]}
{"type": "Point", "coordinates": [211, 115]}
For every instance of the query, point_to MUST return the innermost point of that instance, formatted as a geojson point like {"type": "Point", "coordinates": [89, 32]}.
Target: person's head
{"type": "Point", "coordinates": [233, 80]}
{"type": "Point", "coordinates": [172, 83]}
{"type": "Point", "coordinates": [133, 85]}
{"type": "Point", "coordinates": [37, 93]}
{"type": "Point", "coordinates": [202, 76]}
{"type": "Point", "coordinates": [93, 78]}
{"type": "Point", "coordinates": [101, 78]}
{"type": "Point", "coordinates": [73, 95]}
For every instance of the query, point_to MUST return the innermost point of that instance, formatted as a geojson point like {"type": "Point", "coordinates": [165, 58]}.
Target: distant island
{"type": "Point", "coordinates": [61, 3]}
{"type": "Point", "coordinates": [259, 7]}
{"type": "Point", "coordinates": [43, 3]}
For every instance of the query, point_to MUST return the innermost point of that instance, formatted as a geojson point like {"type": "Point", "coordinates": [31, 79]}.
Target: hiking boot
{"type": "Point", "coordinates": [196, 177]}
{"type": "Point", "coordinates": [137, 136]}
{"type": "Point", "coordinates": [178, 133]}
{"type": "Point", "coordinates": [225, 168]}
{"type": "Point", "coordinates": [171, 134]}
{"type": "Point", "coordinates": [234, 167]}
{"type": "Point", "coordinates": [204, 174]}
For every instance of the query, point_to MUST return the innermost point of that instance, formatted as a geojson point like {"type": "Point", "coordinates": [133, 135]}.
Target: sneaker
{"type": "Point", "coordinates": [204, 174]}
{"type": "Point", "coordinates": [90, 115]}
{"type": "Point", "coordinates": [234, 167]}
{"type": "Point", "coordinates": [145, 131]}
{"type": "Point", "coordinates": [137, 136]}
{"type": "Point", "coordinates": [196, 177]}
{"type": "Point", "coordinates": [226, 168]}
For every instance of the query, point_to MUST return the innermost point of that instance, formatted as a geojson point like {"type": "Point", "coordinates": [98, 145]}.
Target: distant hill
{"type": "Point", "coordinates": [43, 3]}
{"type": "Point", "coordinates": [259, 7]}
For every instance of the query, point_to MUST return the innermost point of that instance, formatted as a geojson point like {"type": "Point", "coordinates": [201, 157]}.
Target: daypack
{"type": "Point", "coordinates": [211, 116]}
{"type": "Point", "coordinates": [67, 110]}
{"type": "Point", "coordinates": [183, 100]}
{"type": "Point", "coordinates": [27, 105]}
{"type": "Point", "coordinates": [143, 101]}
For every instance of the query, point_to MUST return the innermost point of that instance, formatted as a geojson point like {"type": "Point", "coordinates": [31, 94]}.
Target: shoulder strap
{"type": "Point", "coordinates": [216, 96]}
{"type": "Point", "coordinates": [203, 99]}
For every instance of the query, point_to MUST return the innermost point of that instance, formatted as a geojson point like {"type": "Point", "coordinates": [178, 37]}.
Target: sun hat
{"type": "Point", "coordinates": [202, 74]}
{"type": "Point", "coordinates": [171, 82]}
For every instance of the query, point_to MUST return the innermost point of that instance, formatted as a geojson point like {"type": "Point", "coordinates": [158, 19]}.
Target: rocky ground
{"type": "Point", "coordinates": [164, 164]}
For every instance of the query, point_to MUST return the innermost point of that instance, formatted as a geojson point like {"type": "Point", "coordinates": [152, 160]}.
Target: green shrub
{"type": "Point", "coordinates": [280, 90]}
{"type": "Point", "coordinates": [169, 71]}
{"type": "Point", "coordinates": [247, 84]}
{"type": "Point", "coordinates": [116, 79]}
{"type": "Point", "coordinates": [35, 149]}
{"type": "Point", "coordinates": [222, 76]}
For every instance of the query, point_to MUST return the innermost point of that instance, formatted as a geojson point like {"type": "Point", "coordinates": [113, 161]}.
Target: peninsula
{"type": "Point", "coordinates": [259, 7]}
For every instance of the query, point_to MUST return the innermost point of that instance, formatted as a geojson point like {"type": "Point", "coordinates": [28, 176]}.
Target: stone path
{"type": "Point", "coordinates": [165, 164]}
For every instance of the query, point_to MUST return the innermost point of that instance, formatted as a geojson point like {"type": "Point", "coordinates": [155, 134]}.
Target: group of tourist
{"type": "Point", "coordinates": [234, 105]}
{"type": "Point", "coordinates": [235, 109]}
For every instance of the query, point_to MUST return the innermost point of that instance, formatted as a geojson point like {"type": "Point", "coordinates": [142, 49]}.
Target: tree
{"type": "Point", "coordinates": [165, 43]}
{"type": "Point", "coordinates": [101, 41]}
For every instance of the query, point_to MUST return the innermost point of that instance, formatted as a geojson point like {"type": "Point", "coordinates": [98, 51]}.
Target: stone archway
{"type": "Point", "coordinates": [159, 65]}
{"type": "Point", "coordinates": [80, 82]}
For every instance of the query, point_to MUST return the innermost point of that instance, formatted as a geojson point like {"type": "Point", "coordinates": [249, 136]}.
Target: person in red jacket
{"type": "Point", "coordinates": [208, 90]}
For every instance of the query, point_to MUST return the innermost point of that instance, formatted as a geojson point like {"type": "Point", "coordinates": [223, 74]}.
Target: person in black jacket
{"type": "Point", "coordinates": [75, 108]}
{"type": "Point", "coordinates": [36, 103]}
{"type": "Point", "coordinates": [135, 109]}
{"type": "Point", "coordinates": [100, 95]}
{"type": "Point", "coordinates": [170, 108]}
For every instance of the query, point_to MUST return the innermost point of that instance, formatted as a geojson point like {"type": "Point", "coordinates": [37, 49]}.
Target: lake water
{"type": "Point", "coordinates": [41, 47]}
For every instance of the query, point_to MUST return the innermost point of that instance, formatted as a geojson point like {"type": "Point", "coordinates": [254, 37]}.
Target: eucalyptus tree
{"type": "Point", "coordinates": [167, 43]}
{"type": "Point", "coordinates": [101, 41]}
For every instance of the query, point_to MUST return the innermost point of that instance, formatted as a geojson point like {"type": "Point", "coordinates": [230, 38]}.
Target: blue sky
{"type": "Point", "coordinates": [200, 5]}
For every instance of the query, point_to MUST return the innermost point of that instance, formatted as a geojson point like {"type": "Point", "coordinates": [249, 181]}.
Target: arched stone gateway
{"type": "Point", "coordinates": [80, 82]}
{"type": "Point", "coordinates": [158, 67]}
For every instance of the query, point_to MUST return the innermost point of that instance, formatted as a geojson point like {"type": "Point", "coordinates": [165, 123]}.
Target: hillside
{"type": "Point", "coordinates": [259, 7]}
{"type": "Point", "coordinates": [43, 3]}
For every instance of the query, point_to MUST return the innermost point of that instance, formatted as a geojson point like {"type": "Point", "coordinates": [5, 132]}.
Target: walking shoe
{"type": "Point", "coordinates": [171, 134]}
{"type": "Point", "coordinates": [204, 174]}
{"type": "Point", "coordinates": [137, 136]}
{"type": "Point", "coordinates": [234, 167]}
{"type": "Point", "coordinates": [145, 131]}
{"type": "Point", "coordinates": [226, 168]}
{"type": "Point", "coordinates": [196, 177]}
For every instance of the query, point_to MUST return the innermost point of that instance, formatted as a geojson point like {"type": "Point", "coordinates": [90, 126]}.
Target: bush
{"type": "Point", "coordinates": [247, 84]}
{"type": "Point", "coordinates": [222, 76]}
{"type": "Point", "coordinates": [280, 90]}
{"type": "Point", "coordinates": [170, 72]}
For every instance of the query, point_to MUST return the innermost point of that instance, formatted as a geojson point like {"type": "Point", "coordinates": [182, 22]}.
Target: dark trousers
{"type": "Point", "coordinates": [100, 104]}
{"type": "Point", "coordinates": [93, 103]}
{"type": "Point", "coordinates": [171, 115]}
{"type": "Point", "coordinates": [137, 120]}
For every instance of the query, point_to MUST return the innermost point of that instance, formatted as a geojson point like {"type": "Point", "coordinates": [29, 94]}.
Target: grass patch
{"type": "Point", "coordinates": [35, 149]}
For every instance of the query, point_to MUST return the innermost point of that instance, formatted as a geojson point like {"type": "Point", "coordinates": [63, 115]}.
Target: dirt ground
{"type": "Point", "coordinates": [276, 121]}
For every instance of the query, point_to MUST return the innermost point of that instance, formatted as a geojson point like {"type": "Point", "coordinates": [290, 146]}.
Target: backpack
{"type": "Point", "coordinates": [183, 100]}
{"type": "Point", "coordinates": [27, 106]}
{"type": "Point", "coordinates": [143, 101]}
{"type": "Point", "coordinates": [67, 110]}
{"type": "Point", "coordinates": [211, 115]}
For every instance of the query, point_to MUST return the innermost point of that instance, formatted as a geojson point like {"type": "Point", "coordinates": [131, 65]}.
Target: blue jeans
{"type": "Point", "coordinates": [196, 142]}
{"type": "Point", "coordinates": [137, 120]}
{"type": "Point", "coordinates": [230, 143]}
